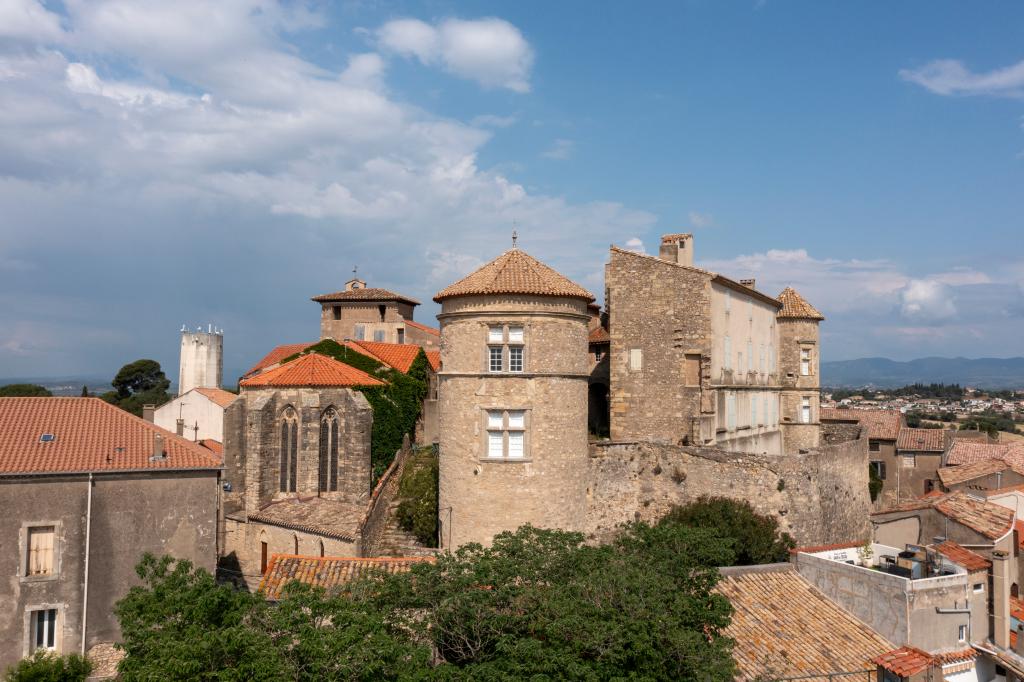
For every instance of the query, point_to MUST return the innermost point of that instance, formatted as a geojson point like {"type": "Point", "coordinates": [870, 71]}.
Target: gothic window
{"type": "Point", "coordinates": [328, 470]}
{"type": "Point", "coordinates": [289, 450]}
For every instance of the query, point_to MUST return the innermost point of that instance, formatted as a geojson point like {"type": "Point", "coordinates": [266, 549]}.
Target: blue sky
{"type": "Point", "coordinates": [188, 162]}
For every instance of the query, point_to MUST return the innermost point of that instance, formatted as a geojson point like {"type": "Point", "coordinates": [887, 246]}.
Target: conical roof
{"type": "Point", "coordinates": [795, 306]}
{"type": "Point", "coordinates": [515, 272]}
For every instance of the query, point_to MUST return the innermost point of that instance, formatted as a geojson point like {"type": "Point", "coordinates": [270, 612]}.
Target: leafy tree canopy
{"type": "Point", "coordinates": [139, 383]}
{"type": "Point", "coordinates": [45, 666]}
{"type": "Point", "coordinates": [753, 538]}
{"type": "Point", "coordinates": [24, 391]}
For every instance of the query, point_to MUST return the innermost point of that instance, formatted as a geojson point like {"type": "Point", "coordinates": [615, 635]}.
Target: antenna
{"type": "Point", "coordinates": [515, 234]}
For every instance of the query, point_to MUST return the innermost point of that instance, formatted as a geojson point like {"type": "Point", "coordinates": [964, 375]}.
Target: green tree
{"type": "Point", "coordinates": [753, 538]}
{"type": "Point", "coordinates": [85, 391]}
{"type": "Point", "coordinates": [875, 483]}
{"type": "Point", "coordinates": [139, 383]}
{"type": "Point", "coordinates": [45, 666]}
{"type": "Point", "coordinates": [24, 391]}
{"type": "Point", "coordinates": [417, 494]}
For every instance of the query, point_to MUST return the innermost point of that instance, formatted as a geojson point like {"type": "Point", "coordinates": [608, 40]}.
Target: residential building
{"type": "Point", "coordinates": [364, 313]}
{"type": "Point", "coordinates": [919, 454]}
{"type": "Point", "coordinates": [883, 428]}
{"type": "Point", "coordinates": [197, 414]}
{"type": "Point", "coordinates": [86, 490]}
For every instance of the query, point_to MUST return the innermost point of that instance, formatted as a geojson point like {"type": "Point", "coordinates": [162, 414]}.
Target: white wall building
{"type": "Point", "coordinates": [202, 359]}
{"type": "Point", "coordinates": [196, 415]}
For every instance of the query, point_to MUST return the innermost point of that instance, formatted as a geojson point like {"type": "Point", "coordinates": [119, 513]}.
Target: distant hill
{"type": "Point", "coordinates": [882, 372]}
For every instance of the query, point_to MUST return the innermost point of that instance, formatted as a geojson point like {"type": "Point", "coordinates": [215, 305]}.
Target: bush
{"type": "Point", "coordinates": [875, 483]}
{"type": "Point", "coordinates": [752, 537]}
{"type": "Point", "coordinates": [417, 490]}
{"type": "Point", "coordinates": [46, 666]}
{"type": "Point", "coordinates": [24, 391]}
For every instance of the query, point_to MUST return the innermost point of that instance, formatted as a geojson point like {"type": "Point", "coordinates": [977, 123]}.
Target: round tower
{"type": "Point", "coordinates": [513, 400]}
{"type": "Point", "coordinates": [799, 363]}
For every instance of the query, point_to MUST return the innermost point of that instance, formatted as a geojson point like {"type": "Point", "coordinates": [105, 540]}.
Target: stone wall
{"type": "Point", "coordinates": [367, 314]}
{"type": "Point", "coordinates": [378, 509]}
{"type": "Point", "coordinates": [819, 497]}
{"type": "Point", "coordinates": [796, 335]}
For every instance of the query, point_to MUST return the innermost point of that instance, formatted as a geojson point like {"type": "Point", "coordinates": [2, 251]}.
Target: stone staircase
{"type": "Point", "coordinates": [397, 542]}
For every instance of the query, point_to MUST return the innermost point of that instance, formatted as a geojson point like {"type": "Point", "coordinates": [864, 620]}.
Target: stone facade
{"type": "Point", "coordinates": [163, 512]}
{"type": "Point", "coordinates": [799, 372]}
{"type": "Point", "coordinates": [819, 497]}
{"type": "Point", "coordinates": [481, 495]}
{"type": "Point", "coordinates": [378, 318]}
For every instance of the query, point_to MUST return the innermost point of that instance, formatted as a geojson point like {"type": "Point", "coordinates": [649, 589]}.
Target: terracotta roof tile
{"type": "Point", "coordinates": [968, 472]}
{"type": "Point", "coordinates": [327, 572]}
{"type": "Point", "coordinates": [434, 358]}
{"type": "Point", "coordinates": [515, 272]}
{"type": "Point", "coordinates": [781, 622]}
{"type": "Point", "coordinates": [218, 395]}
{"type": "Point", "coordinates": [921, 440]}
{"type": "Point", "coordinates": [1017, 608]}
{"type": "Point", "coordinates": [881, 424]}
{"type": "Point", "coordinates": [905, 661]}
{"type": "Point", "coordinates": [364, 294]}
{"type": "Point", "coordinates": [278, 354]}
{"type": "Point", "coordinates": [599, 335]}
{"type": "Point", "coordinates": [423, 327]}
{"type": "Point", "coordinates": [88, 435]}
{"type": "Point", "coordinates": [963, 556]}
{"type": "Point", "coordinates": [795, 306]}
{"type": "Point", "coordinates": [986, 518]}
{"type": "Point", "coordinates": [400, 356]}
{"type": "Point", "coordinates": [311, 369]}
{"type": "Point", "coordinates": [319, 515]}
{"type": "Point", "coordinates": [967, 452]}
{"type": "Point", "coordinates": [214, 446]}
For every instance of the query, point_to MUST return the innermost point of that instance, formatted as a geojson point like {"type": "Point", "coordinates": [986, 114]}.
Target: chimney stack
{"type": "Point", "coordinates": [1001, 598]}
{"type": "Point", "coordinates": [677, 248]}
{"type": "Point", "coordinates": [158, 448]}
{"type": "Point", "coordinates": [749, 283]}
{"type": "Point", "coordinates": [180, 427]}
{"type": "Point", "coordinates": [147, 412]}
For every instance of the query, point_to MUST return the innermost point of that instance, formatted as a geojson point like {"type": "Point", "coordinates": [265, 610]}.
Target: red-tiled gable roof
{"type": "Point", "coordinates": [88, 435]}
{"type": "Point", "coordinates": [397, 355]}
{"type": "Point", "coordinates": [921, 440]}
{"type": "Point", "coordinates": [967, 451]}
{"type": "Point", "coordinates": [963, 556]}
{"type": "Point", "coordinates": [326, 572]}
{"type": "Point", "coordinates": [515, 272]}
{"type": "Point", "coordinates": [881, 424]}
{"type": "Point", "coordinates": [311, 369]}
{"type": "Point", "coordinates": [434, 358]}
{"type": "Point", "coordinates": [218, 395]}
{"type": "Point", "coordinates": [781, 622]}
{"type": "Point", "coordinates": [968, 472]}
{"type": "Point", "coordinates": [278, 354]}
{"type": "Point", "coordinates": [905, 661]}
{"type": "Point", "coordinates": [599, 335]}
{"type": "Point", "coordinates": [423, 327]}
{"type": "Point", "coordinates": [986, 518]}
{"type": "Point", "coordinates": [214, 446]}
{"type": "Point", "coordinates": [364, 294]}
{"type": "Point", "coordinates": [795, 306]}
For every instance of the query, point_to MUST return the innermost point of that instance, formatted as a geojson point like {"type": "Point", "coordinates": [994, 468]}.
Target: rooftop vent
{"type": "Point", "coordinates": [158, 449]}
{"type": "Point", "coordinates": [47, 438]}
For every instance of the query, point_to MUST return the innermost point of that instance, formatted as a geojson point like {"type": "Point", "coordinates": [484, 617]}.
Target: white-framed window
{"type": "Point", "coordinates": [962, 633]}
{"type": "Point", "coordinates": [727, 352]}
{"type": "Point", "coordinates": [40, 555]}
{"type": "Point", "coordinates": [360, 332]}
{"type": "Point", "coordinates": [506, 434]}
{"type": "Point", "coordinates": [805, 362]}
{"type": "Point", "coordinates": [378, 335]}
{"type": "Point", "coordinates": [908, 460]}
{"type": "Point", "coordinates": [43, 630]}
{"type": "Point", "coordinates": [730, 411]}
{"type": "Point", "coordinates": [750, 309]}
{"type": "Point", "coordinates": [516, 335]}
{"type": "Point", "coordinates": [495, 335]}
{"type": "Point", "coordinates": [979, 587]}
{"type": "Point", "coordinates": [771, 357]}
{"type": "Point", "coordinates": [728, 301]}
{"type": "Point", "coordinates": [750, 355]}
{"type": "Point", "coordinates": [494, 358]}
{"type": "Point", "coordinates": [753, 410]}
{"type": "Point", "coordinates": [515, 358]}
{"type": "Point", "coordinates": [636, 359]}
{"type": "Point", "coordinates": [760, 364]}
{"type": "Point", "coordinates": [805, 410]}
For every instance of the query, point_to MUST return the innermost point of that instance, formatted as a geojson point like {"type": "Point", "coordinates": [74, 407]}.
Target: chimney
{"type": "Point", "coordinates": [1001, 598]}
{"type": "Point", "coordinates": [158, 449]}
{"type": "Point", "coordinates": [180, 427]}
{"type": "Point", "coordinates": [749, 283]}
{"type": "Point", "coordinates": [677, 248]}
{"type": "Point", "coordinates": [147, 412]}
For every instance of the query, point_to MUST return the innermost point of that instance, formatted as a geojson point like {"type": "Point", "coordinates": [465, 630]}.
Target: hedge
{"type": "Point", "coordinates": [417, 494]}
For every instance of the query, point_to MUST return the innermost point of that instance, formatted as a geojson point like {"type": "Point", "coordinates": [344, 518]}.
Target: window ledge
{"type": "Point", "coordinates": [507, 460]}
{"type": "Point", "coordinates": [38, 578]}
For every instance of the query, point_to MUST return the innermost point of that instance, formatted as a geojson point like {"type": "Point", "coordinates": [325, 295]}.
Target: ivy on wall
{"type": "Point", "coordinates": [417, 492]}
{"type": "Point", "coordinates": [396, 406]}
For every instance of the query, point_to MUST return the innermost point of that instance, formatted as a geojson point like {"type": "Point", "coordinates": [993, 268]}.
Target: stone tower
{"type": "Point", "coordinates": [513, 400]}
{"type": "Point", "coordinates": [202, 359]}
{"type": "Point", "coordinates": [799, 360]}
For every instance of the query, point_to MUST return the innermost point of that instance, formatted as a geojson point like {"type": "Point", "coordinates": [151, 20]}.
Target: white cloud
{"type": "Point", "coordinates": [701, 219]}
{"type": "Point", "coordinates": [490, 51]}
{"type": "Point", "coordinates": [28, 20]}
{"type": "Point", "coordinates": [951, 77]}
{"type": "Point", "coordinates": [928, 300]}
{"type": "Point", "coordinates": [635, 244]}
{"type": "Point", "coordinates": [559, 151]}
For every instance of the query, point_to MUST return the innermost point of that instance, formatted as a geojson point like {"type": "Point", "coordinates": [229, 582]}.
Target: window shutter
{"type": "Point", "coordinates": [495, 335]}
{"type": "Point", "coordinates": [515, 334]}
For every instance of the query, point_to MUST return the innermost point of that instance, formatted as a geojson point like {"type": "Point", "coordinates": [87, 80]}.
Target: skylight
{"type": "Point", "coordinates": [47, 438]}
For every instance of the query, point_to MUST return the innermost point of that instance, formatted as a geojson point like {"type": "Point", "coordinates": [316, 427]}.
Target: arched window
{"type": "Point", "coordinates": [329, 450]}
{"type": "Point", "coordinates": [289, 450]}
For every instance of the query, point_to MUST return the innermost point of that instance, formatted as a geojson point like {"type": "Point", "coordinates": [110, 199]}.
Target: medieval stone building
{"type": "Point", "coordinates": [513, 400]}
{"type": "Point", "coordinates": [370, 314]}
{"type": "Point", "coordinates": [799, 360]}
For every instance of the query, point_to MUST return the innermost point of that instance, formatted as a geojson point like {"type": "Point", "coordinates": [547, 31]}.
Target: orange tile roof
{"type": "Point", "coordinates": [782, 622]}
{"type": "Point", "coordinates": [665, 238]}
{"type": "Point", "coordinates": [963, 556]}
{"type": "Point", "coordinates": [327, 572]}
{"type": "Point", "coordinates": [423, 327]}
{"type": "Point", "coordinates": [278, 354]}
{"type": "Point", "coordinates": [599, 335]}
{"type": "Point", "coordinates": [967, 451]}
{"type": "Point", "coordinates": [311, 369]}
{"type": "Point", "coordinates": [968, 472]}
{"type": "Point", "coordinates": [214, 446]}
{"type": "Point", "coordinates": [515, 272]}
{"type": "Point", "coordinates": [795, 306]}
{"type": "Point", "coordinates": [434, 358]}
{"type": "Point", "coordinates": [881, 424]}
{"type": "Point", "coordinates": [319, 515]}
{"type": "Point", "coordinates": [400, 356]}
{"type": "Point", "coordinates": [89, 435]}
{"type": "Point", "coordinates": [218, 395]}
{"type": "Point", "coordinates": [986, 518]}
{"type": "Point", "coordinates": [364, 294]}
{"type": "Point", "coordinates": [905, 661]}
{"type": "Point", "coordinates": [921, 440]}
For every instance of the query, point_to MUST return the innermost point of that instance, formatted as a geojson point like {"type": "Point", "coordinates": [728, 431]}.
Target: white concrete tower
{"type": "Point", "coordinates": [202, 359]}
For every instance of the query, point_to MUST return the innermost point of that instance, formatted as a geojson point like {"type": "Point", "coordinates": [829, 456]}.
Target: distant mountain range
{"type": "Point", "coordinates": [1000, 373]}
